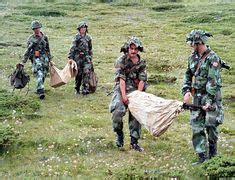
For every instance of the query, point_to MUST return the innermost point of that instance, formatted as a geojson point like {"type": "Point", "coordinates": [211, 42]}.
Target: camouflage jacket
{"type": "Point", "coordinates": [36, 43]}
{"type": "Point", "coordinates": [131, 73]}
{"type": "Point", "coordinates": [207, 80]}
{"type": "Point", "coordinates": [81, 47]}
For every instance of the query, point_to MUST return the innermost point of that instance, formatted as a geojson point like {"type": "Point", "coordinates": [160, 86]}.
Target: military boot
{"type": "Point", "coordinates": [134, 145]}
{"type": "Point", "coordinates": [85, 89]}
{"type": "Point", "coordinates": [212, 150]}
{"type": "Point", "coordinates": [40, 93]}
{"type": "Point", "coordinates": [202, 157]}
{"type": "Point", "coordinates": [120, 139]}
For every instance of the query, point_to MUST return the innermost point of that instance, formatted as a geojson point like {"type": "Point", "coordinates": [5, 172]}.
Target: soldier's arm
{"type": "Point", "coordinates": [142, 76]}
{"type": "Point", "coordinates": [119, 68]}
{"type": "Point", "coordinates": [73, 49]}
{"type": "Point", "coordinates": [187, 83]}
{"type": "Point", "coordinates": [28, 51]}
{"type": "Point", "coordinates": [47, 47]}
{"type": "Point", "coordinates": [120, 77]}
{"type": "Point", "coordinates": [123, 91]}
{"type": "Point", "coordinates": [90, 47]}
{"type": "Point", "coordinates": [214, 79]}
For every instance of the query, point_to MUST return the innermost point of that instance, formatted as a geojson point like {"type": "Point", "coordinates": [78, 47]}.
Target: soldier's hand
{"type": "Point", "coordinates": [206, 107]}
{"type": "Point", "coordinates": [125, 100]}
{"type": "Point", "coordinates": [187, 98]}
{"type": "Point", "coordinates": [21, 64]}
{"type": "Point", "coordinates": [70, 61]}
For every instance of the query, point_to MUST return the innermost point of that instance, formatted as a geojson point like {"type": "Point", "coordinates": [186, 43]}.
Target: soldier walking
{"type": "Point", "coordinates": [38, 52]}
{"type": "Point", "coordinates": [130, 75]}
{"type": "Point", "coordinates": [202, 80]}
{"type": "Point", "coordinates": [81, 53]}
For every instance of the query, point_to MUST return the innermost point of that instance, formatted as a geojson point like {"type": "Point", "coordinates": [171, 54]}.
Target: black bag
{"type": "Point", "coordinates": [19, 78]}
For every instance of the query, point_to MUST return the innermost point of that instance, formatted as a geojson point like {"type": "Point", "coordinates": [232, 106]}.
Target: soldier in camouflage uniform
{"type": "Point", "coordinates": [81, 53]}
{"type": "Point", "coordinates": [130, 75]}
{"type": "Point", "coordinates": [38, 52]}
{"type": "Point", "coordinates": [202, 80]}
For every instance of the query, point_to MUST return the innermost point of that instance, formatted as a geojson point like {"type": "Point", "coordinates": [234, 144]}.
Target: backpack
{"type": "Point", "coordinates": [19, 78]}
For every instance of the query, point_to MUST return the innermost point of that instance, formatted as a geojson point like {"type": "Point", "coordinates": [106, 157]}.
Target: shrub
{"type": "Point", "coordinates": [220, 167]}
{"type": "Point", "coordinates": [10, 102]}
{"type": "Point", "coordinates": [7, 137]}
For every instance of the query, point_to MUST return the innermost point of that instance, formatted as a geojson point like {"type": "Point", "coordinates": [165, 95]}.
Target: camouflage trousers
{"type": "Point", "coordinates": [205, 124]}
{"type": "Point", "coordinates": [82, 77]}
{"type": "Point", "coordinates": [40, 68]}
{"type": "Point", "coordinates": [118, 110]}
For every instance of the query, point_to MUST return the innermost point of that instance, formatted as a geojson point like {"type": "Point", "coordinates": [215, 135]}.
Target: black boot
{"type": "Point", "coordinates": [212, 150]}
{"type": "Point", "coordinates": [85, 89]}
{"type": "Point", "coordinates": [120, 139]}
{"type": "Point", "coordinates": [134, 145]}
{"type": "Point", "coordinates": [41, 94]}
{"type": "Point", "coordinates": [202, 157]}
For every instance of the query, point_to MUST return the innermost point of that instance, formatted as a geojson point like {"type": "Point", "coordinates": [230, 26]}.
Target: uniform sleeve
{"type": "Point", "coordinates": [90, 46]}
{"type": "Point", "coordinates": [47, 47]}
{"type": "Point", "coordinates": [28, 51]}
{"type": "Point", "coordinates": [120, 72]}
{"type": "Point", "coordinates": [73, 49]}
{"type": "Point", "coordinates": [187, 83]}
{"type": "Point", "coordinates": [214, 79]}
{"type": "Point", "coordinates": [142, 72]}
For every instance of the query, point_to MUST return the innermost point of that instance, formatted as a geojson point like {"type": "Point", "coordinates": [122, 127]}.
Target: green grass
{"type": "Point", "coordinates": [71, 136]}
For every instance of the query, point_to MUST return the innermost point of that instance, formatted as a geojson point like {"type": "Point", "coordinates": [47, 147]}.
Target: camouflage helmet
{"type": "Point", "coordinates": [35, 25]}
{"type": "Point", "coordinates": [132, 40]}
{"type": "Point", "coordinates": [197, 36]}
{"type": "Point", "coordinates": [82, 24]}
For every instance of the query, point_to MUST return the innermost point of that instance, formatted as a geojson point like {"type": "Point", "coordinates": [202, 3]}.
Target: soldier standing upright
{"type": "Point", "coordinates": [130, 75]}
{"type": "Point", "coordinates": [81, 53]}
{"type": "Point", "coordinates": [38, 52]}
{"type": "Point", "coordinates": [202, 80]}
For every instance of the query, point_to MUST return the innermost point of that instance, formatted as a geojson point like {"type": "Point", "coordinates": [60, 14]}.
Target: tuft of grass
{"type": "Point", "coordinates": [201, 18]}
{"type": "Point", "coordinates": [167, 7]}
{"type": "Point", "coordinates": [154, 79]}
{"type": "Point", "coordinates": [226, 32]}
{"type": "Point", "coordinates": [52, 13]}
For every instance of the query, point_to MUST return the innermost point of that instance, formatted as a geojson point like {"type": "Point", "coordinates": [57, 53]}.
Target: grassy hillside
{"type": "Point", "coordinates": [71, 136]}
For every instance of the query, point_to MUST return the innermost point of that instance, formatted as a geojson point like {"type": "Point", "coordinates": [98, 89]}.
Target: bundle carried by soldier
{"type": "Point", "coordinates": [154, 113]}
{"type": "Point", "coordinates": [60, 77]}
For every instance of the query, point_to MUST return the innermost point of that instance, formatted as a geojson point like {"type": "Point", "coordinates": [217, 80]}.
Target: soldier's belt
{"type": "Point", "coordinates": [197, 91]}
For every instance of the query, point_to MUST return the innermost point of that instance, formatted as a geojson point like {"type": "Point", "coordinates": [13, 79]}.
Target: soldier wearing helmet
{"type": "Point", "coordinates": [81, 53]}
{"type": "Point", "coordinates": [202, 81]}
{"type": "Point", "coordinates": [38, 52]}
{"type": "Point", "coordinates": [130, 75]}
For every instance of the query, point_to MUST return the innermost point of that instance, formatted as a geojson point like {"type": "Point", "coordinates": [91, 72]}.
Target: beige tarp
{"type": "Point", "coordinates": [60, 77]}
{"type": "Point", "coordinates": [154, 113]}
